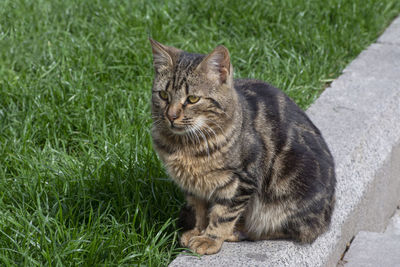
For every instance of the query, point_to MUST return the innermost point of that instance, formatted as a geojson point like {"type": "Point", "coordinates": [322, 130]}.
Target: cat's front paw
{"type": "Point", "coordinates": [186, 236]}
{"type": "Point", "coordinates": [205, 245]}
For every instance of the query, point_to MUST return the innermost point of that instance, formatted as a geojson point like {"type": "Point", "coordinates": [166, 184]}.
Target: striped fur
{"type": "Point", "coordinates": [249, 160]}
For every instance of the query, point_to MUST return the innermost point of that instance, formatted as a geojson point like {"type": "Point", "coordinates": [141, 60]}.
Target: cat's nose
{"type": "Point", "coordinates": [173, 113]}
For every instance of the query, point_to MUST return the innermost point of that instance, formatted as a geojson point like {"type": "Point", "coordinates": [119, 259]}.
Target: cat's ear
{"type": "Point", "coordinates": [217, 65]}
{"type": "Point", "coordinates": [164, 57]}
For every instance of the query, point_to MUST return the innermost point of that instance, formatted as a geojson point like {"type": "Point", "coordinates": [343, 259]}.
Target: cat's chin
{"type": "Point", "coordinates": [178, 130]}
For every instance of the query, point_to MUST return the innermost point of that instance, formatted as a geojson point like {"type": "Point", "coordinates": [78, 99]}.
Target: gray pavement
{"type": "Point", "coordinates": [359, 116]}
{"type": "Point", "coordinates": [371, 249]}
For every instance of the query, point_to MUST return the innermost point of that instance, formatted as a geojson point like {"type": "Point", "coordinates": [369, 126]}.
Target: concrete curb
{"type": "Point", "coordinates": [359, 116]}
{"type": "Point", "coordinates": [370, 249]}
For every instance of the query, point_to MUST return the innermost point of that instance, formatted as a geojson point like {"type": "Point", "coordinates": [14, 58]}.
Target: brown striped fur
{"type": "Point", "coordinates": [251, 163]}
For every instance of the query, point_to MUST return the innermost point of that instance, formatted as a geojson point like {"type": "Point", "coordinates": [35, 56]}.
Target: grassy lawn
{"type": "Point", "coordinates": [79, 181]}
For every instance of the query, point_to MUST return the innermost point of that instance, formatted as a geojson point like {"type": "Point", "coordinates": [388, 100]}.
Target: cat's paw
{"type": "Point", "coordinates": [236, 236]}
{"type": "Point", "coordinates": [186, 236]}
{"type": "Point", "coordinates": [205, 245]}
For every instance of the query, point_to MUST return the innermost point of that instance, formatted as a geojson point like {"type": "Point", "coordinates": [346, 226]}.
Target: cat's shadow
{"type": "Point", "coordinates": [118, 192]}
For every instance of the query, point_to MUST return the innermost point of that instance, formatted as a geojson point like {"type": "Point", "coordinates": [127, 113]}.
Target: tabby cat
{"type": "Point", "coordinates": [250, 162]}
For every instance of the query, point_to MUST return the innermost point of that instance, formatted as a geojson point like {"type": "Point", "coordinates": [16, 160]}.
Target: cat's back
{"type": "Point", "coordinates": [275, 105]}
{"type": "Point", "coordinates": [253, 86]}
{"type": "Point", "coordinates": [282, 127]}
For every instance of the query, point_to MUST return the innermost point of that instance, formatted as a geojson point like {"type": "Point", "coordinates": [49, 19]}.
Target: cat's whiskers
{"type": "Point", "coordinates": [197, 127]}
{"type": "Point", "coordinates": [190, 134]}
{"type": "Point", "coordinates": [157, 123]}
{"type": "Point", "coordinates": [205, 130]}
{"type": "Point", "coordinates": [156, 117]}
{"type": "Point", "coordinates": [192, 130]}
{"type": "Point", "coordinates": [209, 130]}
{"type": "Point", "coordinates": [208, 127]}
{"type": "Point", "coordinates": [219, 127]}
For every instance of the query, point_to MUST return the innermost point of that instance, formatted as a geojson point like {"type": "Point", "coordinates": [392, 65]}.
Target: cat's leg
{"type": "Point", "coordinates": [186, 220]}
{"type": "Point", "coordinates": [239, 233]}
{"type": "Point", "coordinates": [226, 207]}
{"type": "Point", "coordinates": [199, 207]}
{"type": "Point", "coordinates": [222, 220]}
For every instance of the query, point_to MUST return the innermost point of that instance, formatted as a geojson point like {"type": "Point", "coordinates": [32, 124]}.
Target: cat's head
{"type": "Point", "coordinates": [192, 93]}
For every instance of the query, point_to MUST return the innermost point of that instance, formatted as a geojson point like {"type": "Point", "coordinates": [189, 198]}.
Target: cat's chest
{"type": "Point", "coordinates": [197, 175]}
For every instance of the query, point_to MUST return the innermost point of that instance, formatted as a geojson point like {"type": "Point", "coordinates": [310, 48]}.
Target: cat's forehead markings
{"type": "Point", "coordinates": [187, 88]}
{"type": "Point", "coordinates": [181, 71]}
{"type": "Point", "coordinates": [174, 72]}
{"type": "Point", "coordinates": [183, 83]}
{"type": "Point", "coordinates": [183, 68]}
{"type": "Point", "coordinates": [168, 85]}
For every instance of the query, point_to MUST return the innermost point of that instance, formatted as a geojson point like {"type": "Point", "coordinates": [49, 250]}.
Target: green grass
{"type": "Point", "coordinates": [79, 181]}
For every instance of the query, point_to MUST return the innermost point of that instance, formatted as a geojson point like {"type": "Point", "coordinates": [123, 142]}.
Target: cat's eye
{"type": "Point", "coordinates": [193, 99]}
{"type": "Point", "coordinates": [164, 95]}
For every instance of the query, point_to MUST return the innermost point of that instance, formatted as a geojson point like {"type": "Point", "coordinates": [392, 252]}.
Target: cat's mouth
{"type": "Point", "coordinates": [192, 129]}
{"type": "Point", "coordinates": [178, 129]}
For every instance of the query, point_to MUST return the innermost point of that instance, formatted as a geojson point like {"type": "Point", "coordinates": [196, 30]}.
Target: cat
{"type": "Point", "coordinates": [250, 162]}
